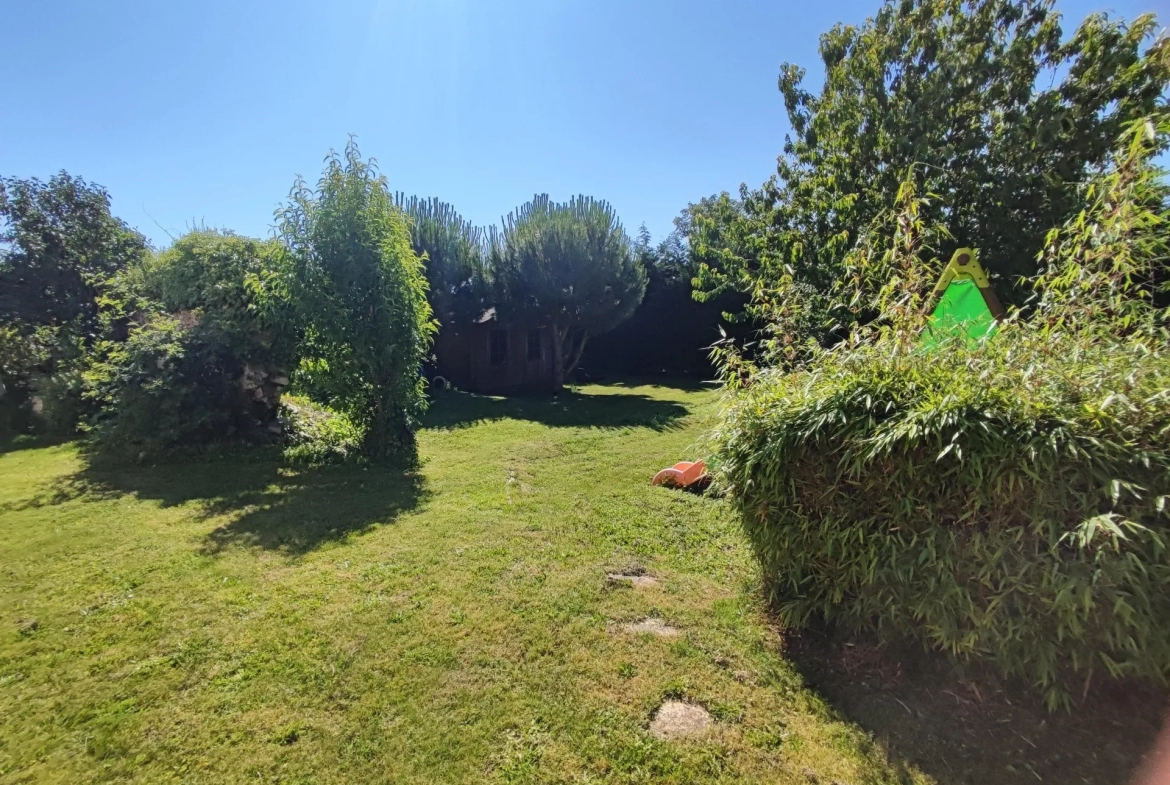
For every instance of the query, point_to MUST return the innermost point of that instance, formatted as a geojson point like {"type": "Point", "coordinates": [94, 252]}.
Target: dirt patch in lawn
{"type": "Point", "coordinates": [973, 729]}
{"type": "Point", "coordinates": [678, 720]}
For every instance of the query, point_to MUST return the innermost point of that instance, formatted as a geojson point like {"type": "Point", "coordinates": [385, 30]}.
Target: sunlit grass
{"type": "Point", "coordinates": [236, 621]}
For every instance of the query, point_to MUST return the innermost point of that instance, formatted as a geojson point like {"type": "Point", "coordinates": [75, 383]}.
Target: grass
{"type": "Point", "coordinates": [235, 620]}
{"type": "Point", "coordinates": [238, 621]}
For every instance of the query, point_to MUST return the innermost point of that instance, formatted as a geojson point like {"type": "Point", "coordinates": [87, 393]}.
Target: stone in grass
{"type": "Point", "coordinates": [632, 574]}
{"type": "Point", "coordinates": [678, 720]}
{"type": "Point", "coordinates": [652, 626]}
{"type": "Point", "coordinates": [639, 581]}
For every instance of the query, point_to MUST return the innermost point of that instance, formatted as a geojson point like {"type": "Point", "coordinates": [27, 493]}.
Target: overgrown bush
{"type": "Point", "coordinates": [59, 401]}
{"type": "Point", "coordinates": [22, 353]}
{"type": "Point", "coordinates": [196, 348]}
{"type": "Point", "coordinates": [1004, 502]}
{"type": "Point", "coordinates": [41, 385]}
{"type": "Point", "coordinates": [174, 385]}
{"type": "Point", "coordinates": [316, 435]}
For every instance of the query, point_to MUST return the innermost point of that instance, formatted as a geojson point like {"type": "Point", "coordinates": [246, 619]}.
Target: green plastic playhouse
{"type": "Point", "coordinates": [967, 304]}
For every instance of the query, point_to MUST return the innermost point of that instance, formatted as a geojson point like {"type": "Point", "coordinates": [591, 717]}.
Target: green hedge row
{"type": "Point", "coordinates": [1006, 503]}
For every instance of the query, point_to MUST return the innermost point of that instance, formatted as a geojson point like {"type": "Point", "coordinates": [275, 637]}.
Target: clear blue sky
{"type": "Point", "coordinates": [205, 111]}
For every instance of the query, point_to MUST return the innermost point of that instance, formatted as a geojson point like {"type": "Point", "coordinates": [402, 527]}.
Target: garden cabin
{"type": "Point", "coordinates": [495, 356]}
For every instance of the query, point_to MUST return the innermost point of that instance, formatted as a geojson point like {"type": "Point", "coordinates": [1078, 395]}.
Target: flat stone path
{"type": "Point", "coordinates": [678, 720]}
{"type": "Point", "coordinates": [639, 581]}
{"type": "Point", "coordinates": [652, 626]}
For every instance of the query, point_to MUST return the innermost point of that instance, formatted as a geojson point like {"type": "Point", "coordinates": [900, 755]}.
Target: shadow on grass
{"type": "Point", "coordinates": [452, 409]}
{"type": "Point", "coordinates": [974, 730]}
{"type": "Point", "coordinates": [269, 504]}
{"type": "Point", "coordinates": [29, 441]}
{"type": "Point", "coordinates": [692, 383]}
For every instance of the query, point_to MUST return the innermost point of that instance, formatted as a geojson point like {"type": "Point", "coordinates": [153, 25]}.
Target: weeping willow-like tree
{"type": "Point", "coordinates": [454, 254]}
{"type": "Point", "coordinates": [572, 266]}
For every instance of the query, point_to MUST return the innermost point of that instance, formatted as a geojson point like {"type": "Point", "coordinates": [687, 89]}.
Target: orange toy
{"type": "Point", "coordinates": [682, 475]}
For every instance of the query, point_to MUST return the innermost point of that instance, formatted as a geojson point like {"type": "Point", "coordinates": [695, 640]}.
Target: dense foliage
{"type": "Point", "coordinates": [194, 354]}
{"type": "Point", "coordinates": [360, 292]}
{"type": "Point", "coordinates": [982, 107]}
{"type": "Point", "coordinates": [315, 434]}
{"type": "Point", "coordinates": [1005, 504]}
{"type": "Point", "coordinates": [670, 332]}
{"type": "Point", "coordinates": [454, 254]}
{"type": "Point", "coordinates": [1006, 501]}
{"type": "Point", "coordinates": [570, 266]}
{"type": "Point", "coordinates": [59, 248]}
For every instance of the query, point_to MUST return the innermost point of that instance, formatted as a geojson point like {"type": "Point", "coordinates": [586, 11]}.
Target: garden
{"type": "Point", "coordinates": [265, 517]}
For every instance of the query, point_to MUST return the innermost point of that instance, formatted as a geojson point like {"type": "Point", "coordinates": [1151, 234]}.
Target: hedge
{"type": "Point", "coordinates": [1006, 503]}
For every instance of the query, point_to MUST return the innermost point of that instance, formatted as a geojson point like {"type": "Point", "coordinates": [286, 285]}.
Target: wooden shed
{"type": "Point", "coordinates": [494, 356]}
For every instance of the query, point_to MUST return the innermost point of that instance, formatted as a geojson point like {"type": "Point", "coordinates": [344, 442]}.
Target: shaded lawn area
{"type": "Point", "coordinates": [235, 620]}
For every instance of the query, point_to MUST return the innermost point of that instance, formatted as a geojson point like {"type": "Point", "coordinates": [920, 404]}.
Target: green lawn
{"type": "Point", "coordinates": [236, 621]}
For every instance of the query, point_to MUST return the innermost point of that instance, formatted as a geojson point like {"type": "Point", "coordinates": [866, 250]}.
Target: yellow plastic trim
{"type": "Point", "coordinates": [964, 265]}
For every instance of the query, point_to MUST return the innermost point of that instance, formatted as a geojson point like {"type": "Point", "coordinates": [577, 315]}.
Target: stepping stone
{"type": "Point", "coordinates": [637, 581]}
{"type": "Point", "coordinates": [678, 720]}
{"type": "Point", "coordinates": [652, 626]}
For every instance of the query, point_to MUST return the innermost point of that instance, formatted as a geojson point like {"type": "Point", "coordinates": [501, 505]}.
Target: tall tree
{"type": "Point", "coordinates": [670, 332]}
{"type": "Point", "coordinates": [570, 265]}
{"type": "Point", "coordinates": [454, 252]}
{"type": "Point", "coordinates": [361, 292]}
{"type": "Point", "coordinates": [980, 106]}
{"type": "Point", "coordinates": [59, 246]}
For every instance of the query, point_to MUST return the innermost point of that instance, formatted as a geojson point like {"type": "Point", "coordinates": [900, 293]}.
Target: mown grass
{"type": "Point", "coordinates": [234, 620]}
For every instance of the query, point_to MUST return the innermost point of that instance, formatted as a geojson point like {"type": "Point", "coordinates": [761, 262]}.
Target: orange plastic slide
{"type": "Point", "coordinates": [682, 475]}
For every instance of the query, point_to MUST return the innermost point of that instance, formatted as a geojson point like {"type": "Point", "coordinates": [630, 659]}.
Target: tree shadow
{"type": "Point", "coordinates": [970, 728]}
{"type": "Point", "coordinates": [269, 504]}
{"type": "Point", "coordinates": [681, 382]}
{"type": "Point", "coordinates": [454, 409]}
{"type": "Point", "coordinates": [30, 441]}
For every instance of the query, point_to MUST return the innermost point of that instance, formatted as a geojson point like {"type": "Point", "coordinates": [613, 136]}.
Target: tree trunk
{"type": "Point", "coordinates": [558, 357]}
{"type": "Point", "coordinates": [575, 356]}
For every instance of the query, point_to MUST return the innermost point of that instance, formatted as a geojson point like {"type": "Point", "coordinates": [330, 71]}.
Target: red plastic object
{"type": "Point", "coordinates": [682, 475]}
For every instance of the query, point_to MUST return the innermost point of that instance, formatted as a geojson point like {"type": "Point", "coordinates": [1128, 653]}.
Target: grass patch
{"type": "Point", "coordinates": [236, 620]}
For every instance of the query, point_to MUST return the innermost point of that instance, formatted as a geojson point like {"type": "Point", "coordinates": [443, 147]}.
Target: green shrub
{"type": "Point", "coordinates": [174, 384]}
{"type": "Point", "coordinates": [60, 401]}
{"type": "Point", "coordinates": [316, 435]}
{"type": "Point", "coordinates": [22, 354]}
{"type": "Point", "coordinates": [231, 280]}
{"type": "Point", "coordinates": [203, 353]}
{"type": "Point", "coordinates": [1005, 503]}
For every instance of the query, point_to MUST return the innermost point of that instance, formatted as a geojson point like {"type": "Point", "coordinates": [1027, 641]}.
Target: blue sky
{"type": "Point", "coordinates": [205, 111]}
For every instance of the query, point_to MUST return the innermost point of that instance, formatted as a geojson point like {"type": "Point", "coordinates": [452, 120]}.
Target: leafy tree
{"type": "Point", "coordinates": [1108, 268]}
{"type": "Point", "coordinates": [361, 292]}
{"type": "Point", "coordinates": [59, 249]}
{"type": "Point", "coordinates": [981, 109]}
{"type": "Point", "coordinates": [570, 265]}
{"type": "Point", "coordinates": [59, 245]}
{"type": "Point", "coordinates": [454, 255]}
{"type": "Point", "coordinates": [670, 332]}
